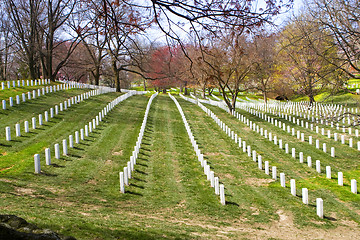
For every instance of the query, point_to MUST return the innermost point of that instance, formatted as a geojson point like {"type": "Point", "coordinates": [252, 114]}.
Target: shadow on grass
{"type": "Point", "coordinates": [231, 203]}
{"type": "Point", "coordinates": [137, 186]}
{"type": "Point", "coordinates": [57, 165]}
{"type": "Point", "coordinates": [141, 172]}
{"type": "Point", "coordinates": [44, 173]}
{"type": "Point", "coordinates": [5, 145]}
{"type": "Point", "coordinates": [134, 193]}
{"type": "Point", "coordinates": [142, 164]}
{"type": "Point", "coordinates": [330, 218]}
{"type": "Point", "coordinates": [138, 179]}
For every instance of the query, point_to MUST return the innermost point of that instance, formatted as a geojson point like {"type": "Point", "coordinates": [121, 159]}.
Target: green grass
{"type": "Point", "coordinates": [168, 196]}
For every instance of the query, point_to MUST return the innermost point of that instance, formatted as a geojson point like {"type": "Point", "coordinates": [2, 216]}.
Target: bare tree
{"type": "Point", "coordinates": [341, 20]}
{"type": "Point", "coordinates": [304, 43]}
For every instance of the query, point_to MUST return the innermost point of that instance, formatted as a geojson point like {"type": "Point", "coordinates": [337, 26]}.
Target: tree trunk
{"type": "Point", "coordinates": [265, 96]}
{"type": "Point", "coordinates": [144, 83]}
{"type": "Point", "coordinates": [116, 76]}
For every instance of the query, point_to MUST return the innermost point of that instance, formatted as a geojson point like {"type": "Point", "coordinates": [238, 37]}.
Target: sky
{"type": "Point", "coordinates": [154, 34]}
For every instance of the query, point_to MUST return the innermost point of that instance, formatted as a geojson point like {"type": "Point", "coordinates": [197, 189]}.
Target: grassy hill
{"type": "Point", "coordinates": [169, 196]}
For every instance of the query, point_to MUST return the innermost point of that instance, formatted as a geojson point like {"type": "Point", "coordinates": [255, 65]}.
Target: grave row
{"type": "Point", "coordinates": [210, 175]}
{"type": "Point", "coordinates": [39, 92]}
{"type": "Point", "coordinates": [278, 109]}
{"type": "Point", "coordinates": [263, 132]}
{"type": "Point", "coordinates": [254, 111]}
{"type": "Point", "coordinates": [79, 135]}
{"type": "Point", "coordinates": [21, 83]}
{"type": "Point", "coordinates": [258, 158]}
{"type": "Point", "coordinates": [130, 166]}
{"type": "Point", "coordinates": [53, 111]}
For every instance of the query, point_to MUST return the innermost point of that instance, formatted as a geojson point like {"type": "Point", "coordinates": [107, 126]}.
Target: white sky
{"type": "Point", "coordinates": [155, 34]}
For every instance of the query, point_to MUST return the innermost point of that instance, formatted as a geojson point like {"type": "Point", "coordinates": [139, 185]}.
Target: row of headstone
{"type": "Point", "coordinates": [325, 120]}
{"type": "Point", "coordinates": [253, 154]}
{"type": "Point", "coordinates": [53, 111]}
{"type": "Point", "coordinates": [288, 129]}
{"type": "Point", "coordinates": [258, 159]}
{"type": "Point", "coordinates": [210, 175]}
{"type": "Point", "coordinates": [292, 182]}
{"type": "Point", "coordinates": [23, 83]}
{"type": "Point", "coordinates": [79, 135]}
{"type": "Point", "coordinates": [125, 175]}
{"type": "Point", "coordinates": [34, 94]}
{"type": "Point", "coordinates": [253, 126]}
{"type": "Point", "coordinates": [255, 112]}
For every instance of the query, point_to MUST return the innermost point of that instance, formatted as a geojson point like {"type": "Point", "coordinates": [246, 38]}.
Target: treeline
{"type": "Point", "coordinates": [208, 44]}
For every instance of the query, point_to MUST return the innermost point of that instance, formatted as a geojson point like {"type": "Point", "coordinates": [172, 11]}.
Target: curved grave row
{"type": "Point", "coordinates": [39, 92]}
{"type": "Point", "coordinates": [268, 135]}
{"type": "Point", "coordinates": [286, 113]}
{"type": "Point", "coordinates": [262, 165]}
{"type": "Point", "coordinates": [210, 175]}
{"type": "Point", "coordinates": [125, 175]}
{"type": "Point", "coordinates": [53, 111]}
{"type": "Point", "coordinates": [79, 134]}
{"type": "Point", "coordinates": [254, 110]}
{"type": "Point", "coordinates": [23, 83]}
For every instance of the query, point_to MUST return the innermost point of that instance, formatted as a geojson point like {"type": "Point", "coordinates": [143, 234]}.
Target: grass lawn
{"type": "Point", "coordinates": [169, 196]}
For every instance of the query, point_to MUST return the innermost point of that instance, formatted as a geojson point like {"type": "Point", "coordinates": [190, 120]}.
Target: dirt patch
{"type": "Point", "coordinates": [7, 168]}
{"type": "Point", "coordinates": [120, 153]}
{"type": "Point", "coordinates": [229, 176]}
{"type": "Point", "coordinates": [5, 180]}
{"type": "Point", "coordinates": [92, 182]}
{"type": "Point", "coordinates": [258, 181]}
{"type": "Point", "coordinates": [284, 228]}
{"type": "Point", "coordinates": [212, 154]}
{"type": "Point", "coordinates": [4, 153]}
{"type": "Point", "coordinates": [25, 191]}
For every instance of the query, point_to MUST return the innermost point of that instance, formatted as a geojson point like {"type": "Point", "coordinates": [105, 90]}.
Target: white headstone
{"type": "Point", "coordinates": [340, 179]}
{"type": "Point", "coordinates": [353, 186]}
{"type": "Point", "coordinates": [318, 167]}
{"type": "Point", "coordinates": [305, 196]}
{"type": "Point", "coordinates": [37, 163]}
{"type": "Point", "coordinates": [222, 194]}
{"type": "Point", "coordinates": [282, 179]}
{"type": "Point", "coordinates": [26, 126]}
{"type": "Point", "coordinates": [319, 207]}
{"type": "Point", "coordinates": [274, 176]}
{"type": "Point", "coordinates": [17, 130]}
{"type": "Point", "coordinates": [7, 134]}
{"type": "Point", "coordinates": [293, 187]}
{"type": "Point", "coordinates": [328, 172]}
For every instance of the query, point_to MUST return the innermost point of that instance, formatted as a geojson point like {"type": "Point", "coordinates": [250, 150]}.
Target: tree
{"type": "Point", "coordinates": [164, 67]}
{"type": "Point", "coordinates": [24, 16]}
{"type": "Point", "coordinates": [265, 67]}
{"type": "Point", "coordinates": [228, 62]}
{"type": "Point", "coordinates": [303, 43]}
{"type": "Point", "coordinates": [91, 30]}
{"type": "Point", "coordinates": [340, 19]}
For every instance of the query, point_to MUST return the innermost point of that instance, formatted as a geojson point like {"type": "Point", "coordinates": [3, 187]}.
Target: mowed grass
{"type": "Point", "coordinates": [168, 196]}
{"type": "Point", "coordinates": [12, 92]}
